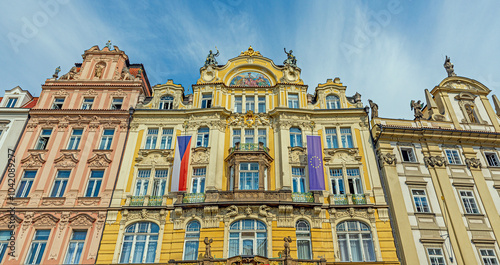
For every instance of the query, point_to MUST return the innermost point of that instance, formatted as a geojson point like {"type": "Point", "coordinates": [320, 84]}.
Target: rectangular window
{"type": "Point", "coordinates": [75, 248]}
{"type": "Point", "coordinates": [250, 103]}
{"type": "Point", "coordinates": [249, 176]}
{"type": "Point", "coordinates": [4, 242]}
{"type": "Point", "coordinates": [238, 104]}
{"type": "Point", "coordinates": [37, 247]}
{"type": "Point", "coordinates": [60, 183]}
{"type": "Point", "coordinates": [160, 182]}
{"type": "Point", "coordinates": [117, 103]}
{"type": "Point", "coordinates": [58, 103]}
{"type": "Point", "coordinates": [106, 139]}
{"type": "Point", "coordinates": [249, 136]}
{"type": "Point", "coordinates": [293, 101]}
{"type": "Point", "coordinates": [295, 137]}
{"type": "Point", "coordinates": [166, 138]}
{"type": "Point", "coordinates": [453, 157]}
{"type": "Point", "coordinates": [87, 103]}
{"type": "Point", "coordinates": [346, 137]}
{"type": "Point", "coordinates": [331, 138]}
{"type": "Point", "coordinates": [262, 136]}
{"type": "Point", "coordinates": [236, 136]}
{"type": "Point", "coordinates": [26, 182]}
{"type": "Point", "coordinates": [94, 185]}
{"type": "Point", "coordinates": [43, 139]}
{"type": "Point", "coordinates": [354, 181]}
{"type": "Point", "coordinates": [298, 179]}
{"type": "Point", "coordinates": [202, 139]}
{"type": "Point", "coordinates": [206, 101]}
{"type": "Point", "coordinates": [487, 255]}
{"type": "Point", "coordinates": [492, 159]}
{"type": "Point", "coordinates": [142, 183]}
{"type": "Point", "coordinates": [469, 201]}
{"type": "Point", "coordinates": [407, 154]}
{"type": "Point", "coordinates": [420, 200]}
{"type": "Point", "coordinates": [151, 139]}
{"type": "Point", "coordinates": [199, 175]}
{"type": "Point", "coordinates": [262, 104]}
{"type": "Point", "coordinates": [337, 181]}
{"type": "Point", "coordinates": [436, 256]}
{"type": "Point", "coordinates": [74, 140]}
{"type": "Point", "coordinates": [11, 103]}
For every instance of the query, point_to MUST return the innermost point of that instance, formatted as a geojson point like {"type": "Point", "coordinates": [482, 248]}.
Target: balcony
{"type": "Point", "coordinates": [340, 199]}
{"type": "Point", "coordinates": [358, 199]}
{"type": "Point", "coordinates": [250, 147]}
{"type": "Point", "coordinates": [193, 198]}
{"type": "Point", "coordinates": [137, 201]}
{"type": "Point", "coordinates": [155, 201]}
{"type": "Point", "coordinates": [302, 197]}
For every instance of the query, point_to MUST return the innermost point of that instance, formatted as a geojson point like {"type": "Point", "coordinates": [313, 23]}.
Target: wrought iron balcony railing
{"type": "Point", "coordinates": [302, 197]}
{"type": "Point", "coordinates": [358, 199]}
{"type": "Point", "coordinates": [137, 201]}
{"type": "Point", "coordinates": [155, 200]}
{"type": "Point", "coordinates": [340, 199]}
{"type": "Point", "coordinates": [193, 197]}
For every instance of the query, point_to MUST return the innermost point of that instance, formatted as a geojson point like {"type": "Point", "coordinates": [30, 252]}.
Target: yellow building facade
{"type": "Point", "coordinates": [248, 196]}
{"type": "Point", "coordinates": [442, 174]}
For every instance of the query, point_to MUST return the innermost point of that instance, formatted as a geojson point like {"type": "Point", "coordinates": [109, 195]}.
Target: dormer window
{"type": "Point", "coordinates": [11, 103]}
{"type": "Point", "coordinates": [58, 103]}
{"type": "Point", "coordinates": [166, 102]}
{"type": "Point", "coordinates": [332, 102]}
{"type": "Point", "coordinates": [87, 103]}
{"type": "Point", "coordinates": [117, 103]}
{"type": "Point", "coordinates": [206, 101]}
{"type": "Point", "coordinates": [293, 101]}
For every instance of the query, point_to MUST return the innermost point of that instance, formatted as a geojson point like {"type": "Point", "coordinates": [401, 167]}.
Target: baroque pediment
{"type": "Point", "coordinates": [65, 160]}
{"type": "Point", "coordinates": [5, 220]}
{"type": "Point", "coordinates": [99, 160]}
{"type": "Point", "coordinates": [45, 220]}
{"type": "Point", "coordinates": [33, 160]}
{"type": "Point", "coordinates": [82, 219]}
{"type": "Point", "coordinates": [249, 119]}
{"type": "Point", "coordinates": [155, 156]}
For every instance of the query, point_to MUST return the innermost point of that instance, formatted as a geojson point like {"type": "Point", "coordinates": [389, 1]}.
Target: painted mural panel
{"type": "Point", "coordinates": [250, 79]}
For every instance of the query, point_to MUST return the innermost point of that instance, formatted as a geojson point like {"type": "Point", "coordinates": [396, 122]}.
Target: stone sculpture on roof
{"type": "Point", "coordinates": [290, 60]}
{"type": "Point", "coordinates": [211, 58]}
{"type": "Point", "coordinates": [449, 67]}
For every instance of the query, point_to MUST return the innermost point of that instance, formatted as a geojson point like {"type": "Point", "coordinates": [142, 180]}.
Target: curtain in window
{"type": "Point", "coordinates": [191, 250]}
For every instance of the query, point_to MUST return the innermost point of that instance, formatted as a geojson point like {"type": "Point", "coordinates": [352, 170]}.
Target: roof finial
{"type": "Point", "coordinates": [108, 44]}
{"type": "Point", "coordinates": [449, 67]}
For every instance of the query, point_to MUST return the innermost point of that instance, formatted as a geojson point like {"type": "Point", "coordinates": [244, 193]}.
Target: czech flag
{"type": "Point", "coordinates": [181, 162]}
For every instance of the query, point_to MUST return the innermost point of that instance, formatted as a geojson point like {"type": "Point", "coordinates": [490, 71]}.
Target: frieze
{"type": "Point", "coordinates": [364, 213]}
{"type": "Point", "coordinates": [119, 93]}
{"type": "Point", "coordinates": [88, 201]}
{"type": "Point", "coordinates": [155, 156]}
{"type": "Point", "coordinates": [53, 201]}
{"type": "Point", "coordinates": [346, 155]}
{"type": "Point", "coordinates": [142, 215]}
{"type": "Point", "coordinates": [473, 162]}
{"type": "Point", "coordinates": [249, 119]}
{"type": "Point", "coordinates": [90, 92]}
{"type": "Point", "coordinates": [434, 161]}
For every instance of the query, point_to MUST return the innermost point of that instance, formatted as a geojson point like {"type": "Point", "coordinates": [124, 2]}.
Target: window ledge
{"type": "Point", "coordinates": [38, 150]}
{"type": "Point", "coordinates": [424, 214]}
{"type": "Point", "coordinates": [103, 150]}
{"type": "Point", "coordinates": [410, 163]}
{"type": "Point", "coordinates": [88, 201]}
{"type": "Point", "coordinates": [473, 215]}
{"type": "Point", "coordinates": [70, 150]}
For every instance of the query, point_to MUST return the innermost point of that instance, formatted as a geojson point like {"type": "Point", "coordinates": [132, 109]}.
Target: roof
{"type": "Point", "coordinates": [30, 104]}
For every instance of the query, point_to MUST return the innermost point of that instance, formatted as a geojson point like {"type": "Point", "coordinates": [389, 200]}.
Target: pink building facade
{"type": "Point", "coordinates": [57, 189]}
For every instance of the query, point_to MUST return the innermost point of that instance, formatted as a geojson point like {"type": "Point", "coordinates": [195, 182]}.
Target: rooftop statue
{"type": "Point", "coordinates": [290, 60]}
{"type": "Point", "coordinates": [417, 109]}
{"type": "Point", "coordinates": [374, 108]}
{"type": "Point", "coordinates": [211, 58]}
{"type": "Point", "coordinates": [449, 67]}
{"type": "Point", "coordinates": [108, 44]}
{"type": "Point", "coordinates": [56, 72]}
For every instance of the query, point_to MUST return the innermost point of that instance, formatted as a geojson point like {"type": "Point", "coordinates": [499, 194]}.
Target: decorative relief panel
{"type": "Point", "coordinates": [65, 161]}
{"type": "Point", "coordinates": [201, 155]}
{"type": "Point", "coordinates": [99, 160]}
{"type": "Point", "coordinates": [33, 160]}
{"type": "Point", "coordinates": [368, 214]}
{"type": "Point", "coordinates": [342, 155]}
{"type": "Point", "coordinates": [155, 157]}
{"type": "Point", "coordinates": [248, 119]}
{"type": "Point", "coordinates": [82, 219]}
{"type": "Point", "coordinates": [434, 161]}
{"type": "Point", "coordinates": [386, 158]}
{"type": "Point", "coordinates": [297, 155]}
{"type": "Point", "coordinates": [45, 220]}
{"type": "Point", "coordinates": [473, 163]}
{"type": "Point", "coordinates": [144, 214]}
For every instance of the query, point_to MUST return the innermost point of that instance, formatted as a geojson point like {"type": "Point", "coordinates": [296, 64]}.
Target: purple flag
{"type": "Point", "coordinates": [315, 162]}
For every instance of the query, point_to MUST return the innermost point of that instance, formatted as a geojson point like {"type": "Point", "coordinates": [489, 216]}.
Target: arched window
{"type": "Point", "coordinates": [192, 240]}
{"type": "Point", "coordinates": [167, 102]}
{"type": "Point", "coordinates": [295, 137]}
{"type": "Point", "coordinates": [247, 237]}
{"type": "Point", "coordinates": [139, 243]}
{"type": "Point", "coordinates": [355, 241]}
{"type": "Point", "coordinates": [332, 102]}
{"type": "Point", "coordinates": [303, 233]}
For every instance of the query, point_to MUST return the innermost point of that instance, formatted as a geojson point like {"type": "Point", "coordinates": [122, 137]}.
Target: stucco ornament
{"type": "Point", "coordinates": [208, 250]}
{"type": "Point", "coordinates": [449, 67]}
{"type": "Point", "coordinates": [290, 74]}
{"type": "Point", "coordinates": [231, 211]}
{"type": "Point", "coordinates": [386, 158]}
{"type": "Point", "coordinates": [208, 73]}
{"type": "Point", "coordinates": [473, 162]}
{"type": "Point", "coordinates": [434, 161]}
{"type": "Point", "coordinates": [99, 160]}
{"type": "Point", "coordinates": [125, 75]}
{"type": "Point", "coordinates": [265, 211]}
{"type": "Point", "coordinates": [33, 160]}
{"type": "Point", "coordinates": [70, 75]}
{"type": "Point", "coordinates": [250, 52]}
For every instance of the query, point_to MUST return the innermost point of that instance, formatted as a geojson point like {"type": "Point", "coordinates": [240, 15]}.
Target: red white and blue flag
{"type": "Point", "coordinates": [181, 163]}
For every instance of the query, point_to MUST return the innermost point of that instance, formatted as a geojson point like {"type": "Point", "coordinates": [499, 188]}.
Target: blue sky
{"type": "Point", "coordinates": [389, 51]}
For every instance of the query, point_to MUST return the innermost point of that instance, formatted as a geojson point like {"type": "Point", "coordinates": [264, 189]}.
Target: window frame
{"type": "Point", "coordinates": [37, 241]}
{"type": "Point", "coordinates": [332, 103]}
{"type": "Point", "coordinates": [455, 155]}
{"type": "Point", "coordinates": [63, 183]}
{"type": "Point", "coordinates": [115, 102]}
{"type": "Point", "coordinates": [149, 233]}
{"type": "Point", "coordinates": [299, 179]}
{"type": "Point", "coordinates": [191, 236]}
{"type": "Point", "coordinates": [471, 204]}
{"type": "Point", "coordinates": [345, 143]}
{"type": "Point", "coordinates": [420, 196]}
{"type": "Point", "coordinates": [261, 102]}
{"type": "Point", "coordinates": [243, 179]}
{"type": "Point", "coordinates": [250, 103]}
{"type": "Point", "coordinates": [293, 103]}
{"type": "Point", "coordinates": [489, 257]}
{"type": "Point", "coordinates": [302, 235]}
{"type": "Point", "coordinates": [11, 102]}
{"type": "Point", "coordinates": [106, 139]}
{"type": "Point", "coordinates": [431, 256]}
{"type": "Point", "coordinates": [85, 105]}
{"type": "Point", "coordinates": [26, 188]}
{"type": "Point", "coordinates": [238, 104]}
{"type": "Point", "coordinates": [43, 139]}
{"type": "Point", "coordinates": [205, 137]}
{"type": "Point", "coordinates": [75, 253]}
{"type": "Point", "coordinates": [206, 102]}
{"type": "Point", "coordinates": [75, 139]}
{"type": "Point", "coordinates": [142, 180]}
{"type": "Point", "coordinates": [337, 179]}
{"type": "Point", "coordinates": [331, 139]}
{"type": "Point", "coordinates": [166, 102]}
{"type": "Point", "coordinates": [238, 227]}
{"type": "Point", "coordinates": [410, 155]}
{"type": "Point", "coordinates": [57, 103]}
{"type": "Point", "coordinates": [96, 179]}
{"type": "Point", "coordinates": [167, 137]}
{"type": "Point", "coordinates": [494, 154]}
{"type": "Point", "coordinates": [162, 179]}
{"type": "Point", "coordinates": [357, 235]}
{"type": "Point", "coordinates": [295, 137]}
{"type": "Point", "coordinates": [198, 180]}
{"type": "Point", "coordinates": [4, 242]}
{"type": "Point", "coordinates": [151, 139]}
